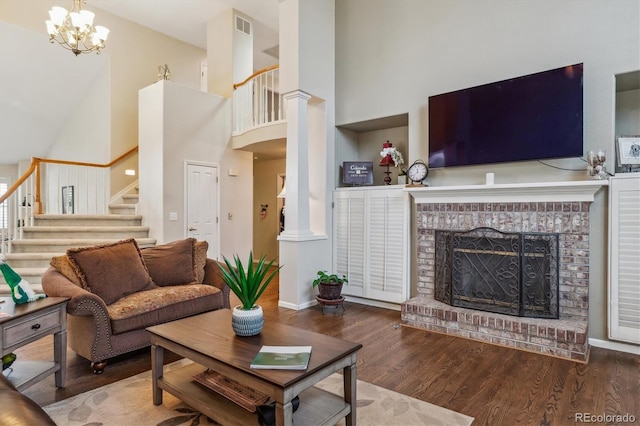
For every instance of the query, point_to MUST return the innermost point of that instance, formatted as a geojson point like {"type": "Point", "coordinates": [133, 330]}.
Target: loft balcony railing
{"type": "Point", "coordinates": [54, 187]}
{"type": "Point", "coordinates": [257, 101]}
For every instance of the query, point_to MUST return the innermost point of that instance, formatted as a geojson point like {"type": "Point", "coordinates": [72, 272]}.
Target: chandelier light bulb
{"type": "Point", "coordinates": [101, 33]}
{"type": "Point", "coordinates": [51, 29]}
{"type": "Point", "coordinates": [74, 30]}
{"type": "Point", "coordinates": [58, 14]}
{"type": "Point", "coordinates": [87, 17]}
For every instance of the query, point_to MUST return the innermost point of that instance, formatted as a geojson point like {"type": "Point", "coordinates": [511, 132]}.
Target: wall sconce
{"type": "Point", "coordinates": [130, 172]}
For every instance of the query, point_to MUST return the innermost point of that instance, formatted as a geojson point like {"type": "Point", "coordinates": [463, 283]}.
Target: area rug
{"type": "Point", "coordinates": [129, 402]}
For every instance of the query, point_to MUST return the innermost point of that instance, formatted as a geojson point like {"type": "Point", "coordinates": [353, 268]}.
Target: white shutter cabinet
{"type": "Point", "coordinates": [624, 257]}
{"type": "Point", "coordinates": [371, 238]}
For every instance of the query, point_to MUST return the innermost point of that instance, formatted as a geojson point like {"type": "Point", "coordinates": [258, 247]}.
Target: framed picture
{"type": "Point", "coordinates": [67, 200]}
{"type": "Point", "coordinates": [357, 173]}
{"type": "Point", "coordinates": [628, 148]}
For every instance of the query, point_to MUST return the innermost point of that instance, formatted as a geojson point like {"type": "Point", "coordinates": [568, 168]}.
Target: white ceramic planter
{"type": "Point", "coordinates": [247, 322]}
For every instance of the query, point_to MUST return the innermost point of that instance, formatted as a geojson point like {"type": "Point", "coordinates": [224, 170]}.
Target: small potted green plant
{"type": "Point", "coordinates": [248, 283]}
{"type": "Point", "coordinates": [329, 285]}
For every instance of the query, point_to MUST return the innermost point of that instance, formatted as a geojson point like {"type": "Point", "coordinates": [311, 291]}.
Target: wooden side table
{"type": "Point", "coordinates": [26, 323]}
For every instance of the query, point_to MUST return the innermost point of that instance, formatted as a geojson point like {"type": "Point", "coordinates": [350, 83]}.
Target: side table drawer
{"type": "Point", "coordinates": [30, 328]}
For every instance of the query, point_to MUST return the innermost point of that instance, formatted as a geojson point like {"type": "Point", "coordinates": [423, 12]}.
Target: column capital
{"type": "Point", "coordinates": [297, 94]}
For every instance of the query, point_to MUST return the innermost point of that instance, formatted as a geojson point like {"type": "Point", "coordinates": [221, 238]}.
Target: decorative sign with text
{"type": "Point", "coordinates": [357, 172]}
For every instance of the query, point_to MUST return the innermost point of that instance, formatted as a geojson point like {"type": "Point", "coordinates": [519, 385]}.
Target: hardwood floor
{"type": "Point", "coordinates": [497, 386]}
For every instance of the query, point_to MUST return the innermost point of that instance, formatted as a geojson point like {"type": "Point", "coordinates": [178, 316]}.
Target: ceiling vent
{"type": "Point", "coordinates": [243, 25]}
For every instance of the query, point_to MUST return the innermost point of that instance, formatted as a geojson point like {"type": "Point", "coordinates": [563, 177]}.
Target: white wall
{"type": "Point", "coordinates": [265, 190]}
{"type": "Point", "coordinates": [628, 112]}
{"type": "Point", "coordinates": [392, 55]}
{"type": "Point", "coordinates": [134, 52]}
{"type": "Point", "coordinates": [179, 123]}
{"type": "Point", "coordinates": [87, 134]}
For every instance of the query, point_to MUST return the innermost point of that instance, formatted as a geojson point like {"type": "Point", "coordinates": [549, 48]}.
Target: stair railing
{"type": "Point", "coordinates": [70, 187]}
{"type": "Point", "coordinates": [257, 100]}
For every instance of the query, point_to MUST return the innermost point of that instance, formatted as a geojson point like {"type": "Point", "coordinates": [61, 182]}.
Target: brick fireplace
{"type": "Point", "coordinates": [561, 208]}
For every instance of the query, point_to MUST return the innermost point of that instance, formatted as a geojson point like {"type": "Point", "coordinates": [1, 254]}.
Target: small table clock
{"type": "Point", "coordinates": [417, 172]}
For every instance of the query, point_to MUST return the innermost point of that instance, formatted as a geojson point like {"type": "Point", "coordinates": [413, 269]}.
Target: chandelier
{"type": "Point", "coordinates": [74, 30]}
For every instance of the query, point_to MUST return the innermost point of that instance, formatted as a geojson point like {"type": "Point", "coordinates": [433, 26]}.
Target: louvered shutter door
{"type": "Point", "coordinates": [350, 240]}
{"type": "Point", "coordinates": [624, 234]}
{"type": "Point", "coordinates": [370, 242]}
{"type": "Point", "coordinates": [387, 240]}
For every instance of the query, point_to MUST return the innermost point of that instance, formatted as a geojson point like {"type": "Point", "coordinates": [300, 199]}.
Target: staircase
{"type": "Point", "coordinates": [53, 234]}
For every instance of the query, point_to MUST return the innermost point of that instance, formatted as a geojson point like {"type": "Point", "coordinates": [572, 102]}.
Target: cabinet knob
{"type": "Point", "coordinates": [35, 326]}
{"type": "Point", "coordinates": [191, 228]}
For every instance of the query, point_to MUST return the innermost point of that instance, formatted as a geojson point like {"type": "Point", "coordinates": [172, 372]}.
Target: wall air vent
{"type": "Point", "coordinates": [243, 25]}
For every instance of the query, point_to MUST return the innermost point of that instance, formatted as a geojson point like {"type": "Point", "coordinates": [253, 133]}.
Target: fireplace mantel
{"type": "Point", "coordinates": [568, 191]}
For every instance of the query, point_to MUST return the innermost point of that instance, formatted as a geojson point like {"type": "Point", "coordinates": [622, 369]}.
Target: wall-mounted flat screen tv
{"type": "Point", "coordinates": [534, 117]}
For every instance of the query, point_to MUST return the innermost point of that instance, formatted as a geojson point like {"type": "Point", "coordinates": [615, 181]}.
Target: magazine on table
{"type": "Point", "coordinates": [282, 358]}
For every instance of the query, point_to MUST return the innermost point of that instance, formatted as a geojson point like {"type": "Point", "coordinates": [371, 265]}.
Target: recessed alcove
{"type": "Point", "coordinates": [362, 141]}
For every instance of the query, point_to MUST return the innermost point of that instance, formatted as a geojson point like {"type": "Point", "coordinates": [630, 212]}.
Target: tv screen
{"type": "Point", "coordinates": [534, 117]}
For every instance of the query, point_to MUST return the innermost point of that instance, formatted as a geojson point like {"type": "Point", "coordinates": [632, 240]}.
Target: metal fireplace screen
{"type": "Point", "coordinates": [507, 273]}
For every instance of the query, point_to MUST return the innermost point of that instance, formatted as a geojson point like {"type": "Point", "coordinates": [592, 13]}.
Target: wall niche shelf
{"type": "Point", "coordinates": [362, 141]}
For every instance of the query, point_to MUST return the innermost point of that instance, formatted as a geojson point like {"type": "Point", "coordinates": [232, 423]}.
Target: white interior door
{"type": "Point", "coordinates": [202, 205]}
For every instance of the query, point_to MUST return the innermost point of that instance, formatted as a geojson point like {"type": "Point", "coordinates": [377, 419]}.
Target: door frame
{"type": "Point", "coordinates": [216, 166]}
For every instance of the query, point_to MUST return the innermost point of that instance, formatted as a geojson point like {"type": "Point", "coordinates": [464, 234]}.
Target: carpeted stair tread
{"type": "Point", "coordinates": [85, 228]}
{"type": "Point", "coordinates": [89, 216]}
{"type": "Point", "coordinates": [77, 242]}
{"type": "Point", "coordinates": [31, 256]}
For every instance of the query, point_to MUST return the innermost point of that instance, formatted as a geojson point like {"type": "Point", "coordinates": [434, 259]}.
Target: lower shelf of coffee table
{"type": "Point", "coordinates": [316, 405]}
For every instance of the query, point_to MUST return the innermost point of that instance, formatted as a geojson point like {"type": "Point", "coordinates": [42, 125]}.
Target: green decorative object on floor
{"type": "Point", "coordinates": [21, 291]}
{"type": "Point", "coordinates": [7, 360]}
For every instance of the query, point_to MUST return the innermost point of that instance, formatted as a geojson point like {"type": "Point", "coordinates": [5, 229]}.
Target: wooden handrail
{"type": "Point", "coordinates": [255, 74]}
{"type": "Point", "coordinates": [35, 166]}
{"type": "Point", "coordinates": [13, 188]}
{"type": "Point", "coordinates": [79, 163]}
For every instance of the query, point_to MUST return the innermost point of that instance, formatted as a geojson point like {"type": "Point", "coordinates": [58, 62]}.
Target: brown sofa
{"type": "Point", "coordinates": [118, 290]}
{"type": "Point", "coordinates": [19, 410]}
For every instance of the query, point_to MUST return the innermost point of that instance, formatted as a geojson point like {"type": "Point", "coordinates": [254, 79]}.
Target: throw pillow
{"type": "Point", "coordinates": [172, 263]}
{"type": "Point", "coordinates": [65, 267]}
{"type": "Point", "coordinates": [111, 271]}
{"type": "Point", "coordinates": [201, 259]}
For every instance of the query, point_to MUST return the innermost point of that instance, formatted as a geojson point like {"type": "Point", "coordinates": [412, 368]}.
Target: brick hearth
{"type": "Point", "coordinates": [565, 337]}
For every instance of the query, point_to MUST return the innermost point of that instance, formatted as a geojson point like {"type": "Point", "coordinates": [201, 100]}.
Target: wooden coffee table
{"type": "Point", "coordinates": [208, 340]}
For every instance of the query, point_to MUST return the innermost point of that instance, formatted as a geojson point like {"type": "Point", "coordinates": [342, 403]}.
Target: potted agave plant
{"type": "Point", "coordinates": [248, 283]}
{"type": "Point", "coordinates": [329, 285]}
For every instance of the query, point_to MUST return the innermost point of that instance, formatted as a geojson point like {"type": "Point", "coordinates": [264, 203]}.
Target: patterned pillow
{"type": "Point", "coordinates": [111, 271]}
{"type": "Point", "coordinates": [172, 263]}
{"type": "Point", "coordinates": [65, 267]}
{"type": "Point", "coordinates": [201, 259]}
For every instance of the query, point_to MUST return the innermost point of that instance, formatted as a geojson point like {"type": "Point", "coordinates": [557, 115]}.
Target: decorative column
{"type": "Point", "coordinates": [297, 222]}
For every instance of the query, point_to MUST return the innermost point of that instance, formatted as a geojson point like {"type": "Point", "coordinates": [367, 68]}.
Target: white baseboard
{"type": "Point", "coordinates": [371, 302]}
{"type": "Point", "coordinates": [615, 346]}
{"type": "Point", "coordinates": [354, 299]}
{"type": "Point", "coordinates": [295, 307]}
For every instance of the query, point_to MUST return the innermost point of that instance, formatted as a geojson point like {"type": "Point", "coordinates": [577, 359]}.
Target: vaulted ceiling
{"type": "Point", "coordinates": [29, 117]}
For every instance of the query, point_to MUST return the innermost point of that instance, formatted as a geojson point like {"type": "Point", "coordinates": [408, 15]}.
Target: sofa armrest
{"type": "Point", "coordinates": [212, 277]}
{"type": "Point", "coordinates": [55, 284]}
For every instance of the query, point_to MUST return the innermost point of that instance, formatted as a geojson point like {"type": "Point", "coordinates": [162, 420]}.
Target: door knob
{"type": "Point", "coordinates": [191, 228]}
